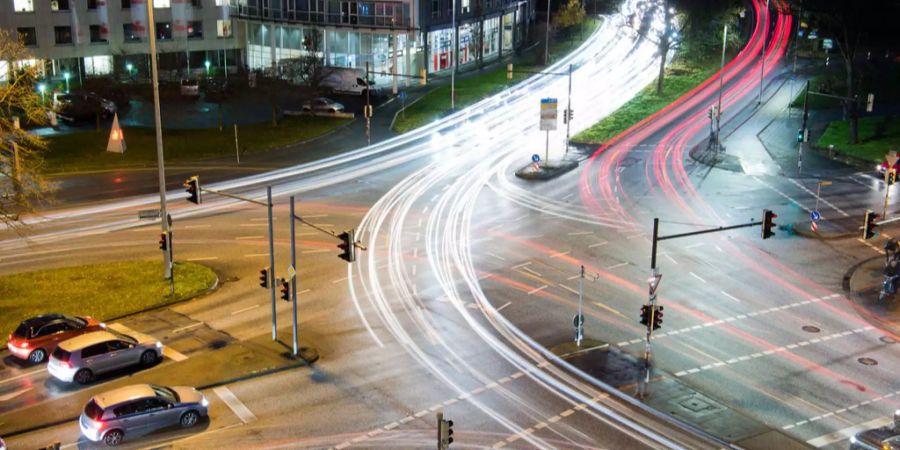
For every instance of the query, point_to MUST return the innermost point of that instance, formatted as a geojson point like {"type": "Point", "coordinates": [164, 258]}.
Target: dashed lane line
{"type": "Point", "coordinates": [597, 244]}
{"type": "Point", "coordinates": [233, 313]}
{"type": "Point", "coordinates": [697, 277]}
{"type": "Point", "coordinates": [543, 424]}
{"type": "Point", "coordinates": [733, 319]}
{"type": "Point", "coordinates": [830, 205]}
{"type": "Point", "coordinates": [790, 199]}
{"type": "Point", "coordinates": [616, 266]}
{"type": "Point", "coordinates": [203, 258]}
{"type": "Point", "coordinates": [845, 433]}
{"type": "Point", "coordinates": [783, 348]}
{"type": "Point", "coordinates": [538, 289]}
{"type": "Point", "coordinates": [235, 404]}
{"type": "Point", "coordinates": [730, 296]}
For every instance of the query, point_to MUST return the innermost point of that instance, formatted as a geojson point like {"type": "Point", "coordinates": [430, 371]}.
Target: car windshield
{"type": "Point", "coordinates": [23, 331]}
{"type": "Point", "coordinates": [61, 354]}
{"type": "Point", "coordinates": [93, 411]}
{"type": "Point", "coordinates": [165, 393]}
{"type": "Point", "coordinates": [81, 323]}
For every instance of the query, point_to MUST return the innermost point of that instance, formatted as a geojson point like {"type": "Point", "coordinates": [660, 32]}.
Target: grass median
{"type": "Point", "coordinates": [85, 151]}
{"type": "Point", "coordinates": [877, 136]}
{"type": "Point", "coordinates": [103, 291]}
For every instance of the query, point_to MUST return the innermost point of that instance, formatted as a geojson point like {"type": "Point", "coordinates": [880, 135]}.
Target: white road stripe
{"type": "Point", "coordinates": [616, 266]}
{"type": "Point", "coordinates": [245, 309]}
{"type": "Point", "coordinates": [235, 404]}
{"type": "Point", "coordinates": [255, 255]}
{"type": "Point", "coordinates": [597, 244]}
{"type": "Point", "coordinates": [205, 258]}
{"type": "Point", "coordinates": [173, 354]}
{"type": "Point", "coordinates": [193, 325]}
{"type": "Point", "coordinates": [845, 433]}
{"type": "Point", "coordinates": [503, 306]}
{"type": "Point", "coordinates": [697, 276]}
{"type": "Point", "coordinates": [537, 289]}
{"type": "Point", "coordinates": [730, 296]}
{"type": "Point", "coordinates": [797, 183]}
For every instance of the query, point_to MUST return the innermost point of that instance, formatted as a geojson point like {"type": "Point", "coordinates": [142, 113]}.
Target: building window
{"type": "Point", "coordinates": [130, 35]}
{"type": "Point", "coordinates": [163, 31]}
{"type": "Point", "coordinates": [465, 6]}
{"type": "Point", "coordinates": [221, 2]}
{"type": "Point", "coordinates": [63, 35]}
{"type": "Point", "coordinates": [435, 9]}
{"type": "Point", "coordinates": [95, 34]}
{"type": "Point", "coordinates": [23, 5]}
{"type": "Point", "coordinates": [59, 5]}
{"type": "Point", "coordinates": [161, 3]}
{"type": "Point", "coordinates": [92, 5]}
{"type": "Point", "coordinates": [195, 30]}
{"type": "Point", "coordinates": [126, 4]}
{"type": "Point", "coordinates": [28, 36]}
{"type": "Point", "coordinates": [98, 65]}
{"type": "Point", "coordinates": [197, 3]}
{"type": "Point", "coordinates": [223, 28]}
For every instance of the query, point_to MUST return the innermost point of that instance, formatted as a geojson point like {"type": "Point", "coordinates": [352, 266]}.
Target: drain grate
{"type": "Point", "coordinates": [811, 329]}
{"type": "Point", "coordinates": [867, 361]}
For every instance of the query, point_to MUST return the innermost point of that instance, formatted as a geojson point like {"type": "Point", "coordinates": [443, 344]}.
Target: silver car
{"type": "Point", "coordinates": [323, 105]}
{"type": "Point", "coordinates": [80, 359]}
{"type": "Point", "coordinates": [139, 409]}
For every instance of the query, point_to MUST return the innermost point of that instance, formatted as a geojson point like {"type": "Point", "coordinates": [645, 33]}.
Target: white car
{"type": "Point", "coordinates": [82, 358]}
{"type": "Point", "coordinates": [323, 105]}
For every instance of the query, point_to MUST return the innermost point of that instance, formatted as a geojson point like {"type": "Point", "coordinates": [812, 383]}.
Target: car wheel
{"type": "Point", "coordinates": [332, 111]}
{"type": "Point", "coordinates": [37, 356]}
{"type": "Point", "coordinates": [83, 376]}
{"type": "Point", "coordinates": [113, 437]}
{"type": "Point", "coordinates": [189, 419]}
{"type": "Point", "coordinates": [148, 358]}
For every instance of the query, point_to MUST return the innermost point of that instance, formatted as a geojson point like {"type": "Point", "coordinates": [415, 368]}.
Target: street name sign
{"type": "Point", "coordinates": [548, 114]}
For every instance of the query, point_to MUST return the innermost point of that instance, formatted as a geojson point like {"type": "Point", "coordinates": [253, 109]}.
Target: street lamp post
{"type": "Point", "coordinates": [547, 37]}
{"type": "Point", "coordinates": [42, 87]}
{"type": "Point", "coordinates": [66, 75]}
{"type": "Point", "coordinates": [762, 56]}
{"type": "Point", "coordinates": [130, 68]}
{"type": "Point", "coordinates": [207, 63]}
{"type": "Point", "coordinates": [454, 49]}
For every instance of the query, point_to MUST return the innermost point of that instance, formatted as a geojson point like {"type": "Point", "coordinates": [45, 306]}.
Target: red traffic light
{"type": "Point", "coordinates": [286, 290]}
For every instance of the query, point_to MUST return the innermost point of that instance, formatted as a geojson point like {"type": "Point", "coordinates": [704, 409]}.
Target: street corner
{"type": "Point", "coordinates": [716, 160]}
{"type": "Point", "coordinates": [824, 229]}
{"type": "Point", "coordinates": [864, 281]}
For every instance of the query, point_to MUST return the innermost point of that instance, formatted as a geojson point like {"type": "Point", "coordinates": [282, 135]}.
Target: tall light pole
{"type": "Point", "coordinates": [42, 87]}
{"type": "Point", "coordinates": [66, 75]}
{"type": "Point", "coordinates": [207, 64]}
{"type": "Point", "coordinates": [721, 81]}
{"type": "Point", "coordinates": [454, 50]}
{"type": "Point", "coordinates": [160, 160]}
{"type": "Point", "coordinates": [762, 56]}
{"type": "Point", "coordinates": [547, 37]}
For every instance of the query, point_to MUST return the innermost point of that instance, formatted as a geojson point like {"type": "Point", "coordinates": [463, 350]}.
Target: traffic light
{"type": "Point", "coordinates": [446, 433]}
{"type": "Point", "coordinates": [800, 135]}
{"type": "Point", "coordinates": [163, 242]}
{"type": "Point", "coordinates": [264, 278]}
{"type": "Point", "coordinates": [567, 115]}
{"type": "Point", "coordinates": [645, 315]}
{"type": "Point", "coordinates": [891, 177]}
{"type": "Point", "coordinates": [509, 71]}
{"type": "Point", "coordinates": [348, 252]}
{"type": "Point", "coordinates": [285, 290]}
{"type": "Point", "coordinates": [870, 225]}
{"type": "Point", "coordinates": [767, 224]}
{"type": "Point", "coordinates": [192, 186]}
{"type": "Point", "coordinates": [657, 317]}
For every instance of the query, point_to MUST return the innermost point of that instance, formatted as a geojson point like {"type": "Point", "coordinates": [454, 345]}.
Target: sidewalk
{"type": "Point", "coordinates": [864, 284]}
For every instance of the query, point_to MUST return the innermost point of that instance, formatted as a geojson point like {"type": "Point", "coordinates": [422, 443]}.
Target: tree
{"type": "Point", "coordinates": [570, 15]}
{"type": "Point", "coordinates": [21, 183]}
{"type": "Point", "coordinates": [309, 69]}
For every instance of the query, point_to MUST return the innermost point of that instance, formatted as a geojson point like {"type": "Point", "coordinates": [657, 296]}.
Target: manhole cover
{"type": "Point", "coordinates": [887, 340]}
{"type": "Point", "coordinates": [811, 329]}
{"type": "Point", "coordinates": [867, 361]}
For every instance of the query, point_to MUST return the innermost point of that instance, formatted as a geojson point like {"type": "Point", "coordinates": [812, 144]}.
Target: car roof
{"type": "Point", "coordinates": [123, 394]}
{"type": "Point", "coordinates": [84, 340]}
{"type": "Point", "coordinates": [39, 321]}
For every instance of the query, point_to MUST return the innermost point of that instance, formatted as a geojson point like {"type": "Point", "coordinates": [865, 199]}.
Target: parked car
{"type": "Point", "coordinates": [2, 444]}
{"type": "Point", "coordinates": [139, 409]}
{"type": "Point", "coordinates": [323, 105]}
{"type": "Point", "coordinates": [82, 358]}
{"type": "Point", "coordinates": [348, 80]}
{"type": "Point", "coordinates": [38, 337]}
{"type": "Point", "coordinates": [883, 438]}
{"type": "Point", "coordinates": [190, 88]}
{"type": "Point", "coordinates": [75, 107]}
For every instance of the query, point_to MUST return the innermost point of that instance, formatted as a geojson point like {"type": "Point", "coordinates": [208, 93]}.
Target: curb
{"type": "Point", "coordinates": [802, 229]}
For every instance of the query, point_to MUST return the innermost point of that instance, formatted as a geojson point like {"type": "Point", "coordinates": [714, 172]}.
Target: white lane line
{"type": "Point", "coordinates": [633, 236]}
{"type": "Point", "coordinates": [255, 255]}
{"type": "Point", "coordinates": [321, 250]}
{"type": "Point", "coordinates": [557, 255]}
{"type": "Point", "coordinates": [730, 296]}
{"type": "Point", "coordinates": [573, 277]}
{"type": "Point", "coordinates": [497, 256]}
{"type": "Point", "coordinates": [245, 309]}
{"type": "Point", "coordinates": [670, 258]}
{"type": "Point", "coordinates": [697, 276]}
{"type": "Point", "coordinates": [537, 289]}
{"type": "Point", "coordinates": [262, 219]}
{"type": "Point", "coordinates": [173, 354]}
{"type": "Point", "coordinates": [254, 225]}
{"type": "Point", "coordinates": [304, 291]}
{"type": "Point", "coordinates": [567, 288]}
{"type": "Point", "coordinates": [314, 216]}
{"type": "Point", "coordinates": [797, 183]}
{"type": "Point", "coordinates": [193, 325]}
{"type": "Point", "coordinates": [191, 227]}
{"type": "Point", "coordinates": [519, 266]}
{"type": "Point", "coordinates": [616, 266]}
{"type": "Point", "coordinates": [248, 237]}
{"type": "Point", "coordinates": [698, 244]}
{"type": "Point", "coordinates": [598, 244]}
{"type": "Point", "coordinates": [531, 271]}
{"type": "Point", "coordinates": [14, 394]}
{"type": "Point", "coordinates": [27, 374]}
{"type": "Point", "coordinates": [235, 404]}
{"type": "Point", "coordinates": [580, 233]}
{"type": "Point", "coordinates": [503, 306]}
{"type": "Point", "coordinates": [791, 199]}
{"type": "Point", "coordinates": [840, 435]}
{"type": "Point", "coordinates": [205, 258]}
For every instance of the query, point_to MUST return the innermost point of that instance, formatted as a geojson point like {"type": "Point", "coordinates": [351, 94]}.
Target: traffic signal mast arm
{"type": "Point", "coordinates": [711, 230]}
{"type": "Point", "coordinates": [356, 244]}
{"type": "Point", "coordinates": [225, 194]}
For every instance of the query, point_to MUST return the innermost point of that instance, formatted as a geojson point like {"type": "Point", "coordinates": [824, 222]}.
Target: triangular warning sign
{"type": "Point", "coordinates": [116, 142]}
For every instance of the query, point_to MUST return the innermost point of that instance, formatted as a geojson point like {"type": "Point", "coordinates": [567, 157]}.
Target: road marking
{"type": "Point", "coordinates": [519, 266]}
{"type": "Point", "coordinates": [27, 374]}
{"type": "Point", "coordinates": [666, 254]}
{"type": "Point", "coordinates": [870, 245]}
{"type": "Point", "coordinates": [697, 244]}
{"type": "Point", "coordinates": [730, 296]}
{"type": "Point", "coordinates": [616, 266]}
{"type": "Point", "coordinates": [782, 194]}
{"type": "Point", "coordinates": [567, 288]}
{"type": "Point", "coordinates": [697, 276]}
{"type": "Point", "coordinates": [191, 227]}
{"type": "Point", "coordinates": [235, 404]}
{"type": "Point", "coordinates": [614, 311]}
{"type": "Point", "coordinates": [304, 291]}
{"type": "Point", "coordinates": [260, 219]}
{"type": "Point", "coordinates": [537, 289]}
{"type": "Point", "coordinates": [321, 250]}
{"type": "Point", "coordinates": [314, 216]}
{"type": "Point", "coordinates": [531, 271]}
{"type": "Point", "coordinates": [254, 224]}
{"type": "Point", "coordinates": [633, 236]}
{"type": "Point", "coordinates": [173, 354]}
{"type": "Point", "coordinates": [557, 255]}
{"type": "Point", "coordinates": [193, 325]}
{"type": "Point", "coordinates": [581, 233]}
{"type": "Point", "coordinates": [504, 306]}
{"type": "Point", "coordinates": [573, 277]}
{"type": "Point", "coordinates": [204, 258]}
{"type": "Point", "coordinates": [797, 183]}
{"type": "Point", "coordinates": [14, 394]}
{"type": "Point", "coordinates": [255, 255]}
{"type": "Point", "coordinates": [497, 256]}
{"type": "Point", "coordinates": [245, 309]}
{"type": "Point", "coordinates": [248, 237]}
{"type": "Point", "coordinates": [846, 433]}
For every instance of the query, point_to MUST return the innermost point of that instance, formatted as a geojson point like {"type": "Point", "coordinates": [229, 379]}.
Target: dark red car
{"type": "Point", "coordinates": [37, 337]}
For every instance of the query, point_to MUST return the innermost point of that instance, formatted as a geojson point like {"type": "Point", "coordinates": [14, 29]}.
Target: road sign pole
{"type": "Point", "coordinates": [887, 193]}
{"type": "Point", "coordinates": [547, 148]}
{"type": "Point", "coordinates": [272, 262]}
{"type": "Point", "coordinates": [568, 117]}
{"type": "Point", "coordinates": [579, 330]}
{"type": "Point", "coordinates": [294, 278]}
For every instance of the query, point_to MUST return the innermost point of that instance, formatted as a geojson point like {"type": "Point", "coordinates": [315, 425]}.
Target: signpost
{"type": "Point", "coordinates": [891, 159]}
{"type": "Point", "coordinates": [548, 120]}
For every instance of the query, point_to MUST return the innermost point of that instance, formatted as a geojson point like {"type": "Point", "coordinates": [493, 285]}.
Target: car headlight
{"type": "Point", "coordinates": [853, 439]}
{"type": "Point", "coordinates": [203, 402]}
{"type": "Point", "coordinates": [159, 345]}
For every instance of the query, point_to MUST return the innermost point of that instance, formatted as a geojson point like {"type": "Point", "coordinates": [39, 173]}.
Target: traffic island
{"type": "Point", "coordinates": [863, 281]}
{"type": "Point", "coordinates": [827, 229]}
{"type": "Point", "coordinates": [546, 170]}
{"type": "Point", "coordinates": [103, 291]}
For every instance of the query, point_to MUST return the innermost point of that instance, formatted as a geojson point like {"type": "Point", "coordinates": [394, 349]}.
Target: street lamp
{"type": "Point", "coordinates": [206, 63]}
{"type": "Point", "coordinates": [66, 75]}
{"type": "Point", "coordinates": [42, 87]}
{"type": "Point", "coordinates": [130, 68]}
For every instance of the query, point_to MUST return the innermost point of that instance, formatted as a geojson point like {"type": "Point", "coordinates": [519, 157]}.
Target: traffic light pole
{"type": "Point", "coordinates": [157, 120]}
{"type": "Point", "coordinates": [569, 115]}
{"type": "Point", "coordinates": [294, 279]}
{"type": "Point", "coordinates": [271, 260]}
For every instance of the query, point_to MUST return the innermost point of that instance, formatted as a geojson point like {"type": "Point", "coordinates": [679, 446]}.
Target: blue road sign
{"type": "Point", "coordinates": [536, 158]}
{"type": "Point", "coordinates": [814, 216]}
{"type": "Point", "coordinates": [402, 95]}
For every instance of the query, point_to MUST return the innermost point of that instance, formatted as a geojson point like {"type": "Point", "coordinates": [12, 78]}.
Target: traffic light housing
{"type": "Point", "coordinates": [509, 71]}
{"type": "Point", "coordinates": [285, 290]}
{"type": "Point", "coordinates": [264, 278]}
{"type": "Point", "coordinates": [163, 242]}
{"type": "Point", "coordinates": [348, 252]}
{"type": "Point", "coordinates": [800, 135]}
{"type": "Point", "coordinates": [768, 224]}
{"type": "Point", "coordinates": [891, 177]}
{"type": "Point", "coordinates": [192, 187]}
{"type": "Point", "coordinates": [446, 433]}
{"type": "Point", "coordinates": [567, 115]}
{"type": "Point", "coordinates": [657, 317]}
{"type": "Point", "coordinates": [869, 225]}
{"type": "Point", "coordinates": [645, 315]}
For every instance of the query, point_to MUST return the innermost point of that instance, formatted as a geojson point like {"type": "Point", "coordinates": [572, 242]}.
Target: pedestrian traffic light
{"type": "Point", "coordinates": [869, 225]}
{"type": "Point", "coordinates": [192, 186]}
{"type": "Point", "coordinates": [446, 433]}
{"type": "Point", "coordinates": [645, 315]}
{"type": "Point", "coordinates": [767, 224]}
{"type": "Point", "coordinates": [264, 278]}
{"type": "Point", "coordinates": [657, 317]}
{"type": "Point", "coordinates": [285, 290]}
{"type": "Point", "coordinates": [348, 252]}
{"type": "Point", "coordinates": [163, 242]}
{"type": "Point", "coordinates": [509, 71]}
